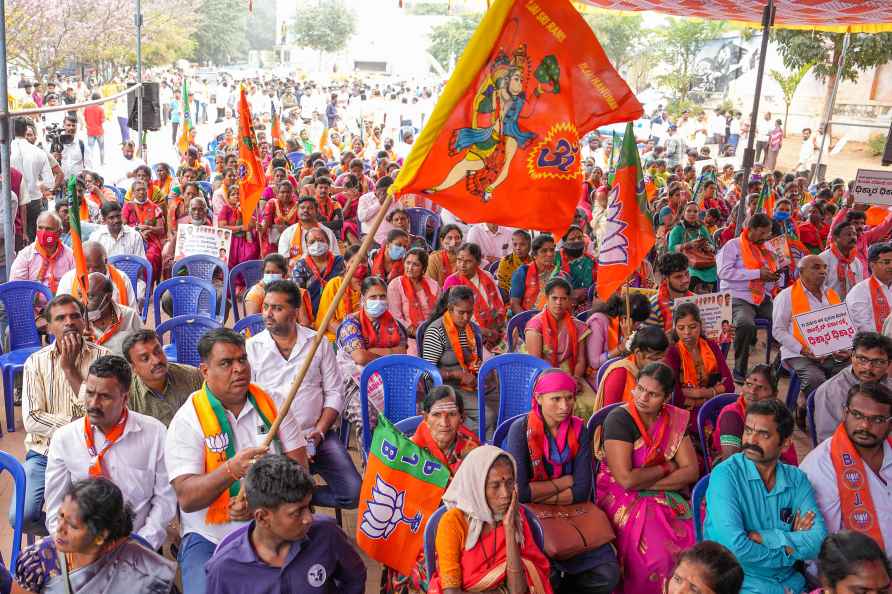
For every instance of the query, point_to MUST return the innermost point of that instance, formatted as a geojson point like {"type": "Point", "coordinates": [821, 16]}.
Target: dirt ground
{"type": "Point", "coordinates": [853, 156]}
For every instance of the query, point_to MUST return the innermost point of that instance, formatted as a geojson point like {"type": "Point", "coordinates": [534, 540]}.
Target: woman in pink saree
{"type": "Point", "coordinates": [647, 461]}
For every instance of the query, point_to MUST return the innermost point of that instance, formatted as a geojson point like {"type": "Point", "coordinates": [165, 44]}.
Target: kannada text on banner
{"type": "Point", "coordinates": [827, 330]}
{"type": "Point", "coordinates": [873, 187]}
{"type": "Point", "coordinates": [193, 240]}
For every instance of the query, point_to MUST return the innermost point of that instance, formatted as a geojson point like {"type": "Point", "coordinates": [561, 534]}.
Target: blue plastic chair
{"type": "Point", "coordinates": [15, 468]}
{"type": "Point", "coordinates": [418, 219]}
{"type": "Point", "coordinates": [296, 158]}
{"type": "Point", "coordinates": [583, 316]}
{"type": "Point", "coordinates": [594, 422]}
{"type": "Point", "coordinates": [133, 266]}
{"type": "Point", "coordinates": [185, 332]}
{"type": "Point", "coordinates": [698, 497]}
{"type": "Point", "coordinates": [24, 339]}
{"type": "Point", "coordinates": [766, 324]}
{"type": "Point", "coordinates": [709, 413]}
{"type": "Point", "coordinates": [251, 272]}
{"type": "Point", "coordinates": [599, 375]}
{"type": "Point", "coordinates": [399, 375]}
{"type": "Point", "coordinates": [206, 187]}
{"type": "Point", "coordinates": [205, 267]}
{"type": "Point", "coordinates": [119, 193]}
{"type": "Point", "coordinates": [501, 432]}
{"type": "Point", "coordinates": [190, 295]}
{"type": "Point", "coordinates": [810, 416]}
{"type": "Point", "coordinates": [408, 425]}
{"type": "Point", "coordinates": [419, 336]}
{"type": "Point", "coordinates": [517, 373]}
{"type": "Point", "coordinates": [251, 325]}
{"type": "Point", "coordinates": [518, 322]}
{"type": "Point", "coordinates": [793, 389]}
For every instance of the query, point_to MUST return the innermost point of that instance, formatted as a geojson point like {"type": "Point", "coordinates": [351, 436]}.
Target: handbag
{"type": "Point", "coordinates": [572, 529]}
{"type": "Point", "coordinates": [700, 254]}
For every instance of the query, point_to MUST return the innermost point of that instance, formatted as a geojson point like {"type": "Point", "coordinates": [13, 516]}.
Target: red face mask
{"type": "Point", "coordinates": [361, 271]}
{"type": "Point", "coordinates": [48, 240]}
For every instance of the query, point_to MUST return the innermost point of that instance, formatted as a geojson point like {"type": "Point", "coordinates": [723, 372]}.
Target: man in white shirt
{"type": "Point", "coordinates": [116, 237]}
{"type": "Point", "coordinates": [275, 356]}
{"type": "Point", "coordinates": [74, 154]}
{"type": "Point", "coordinates": [494, 241]}
{"type": "Point", "coordinates": [807, 152]}
{"type": "Point", "coordinates": [717, 128]}
{"type": "Point", "coordinates": [844, 268]}
{"type": "Point", "coordinates": [211, 443]}
{"type": "Point", "coordinates": [120, 172]}
{"type": "Point", "coordinates": [369, 205]}
{"type": "Point", "coordinates": [34, 165]}
{"type": "Point", "coordinates": [763, 131]}
{"type": "Point", "coordinates": [293, 247]}
{"type": "Point", "coordinates": [869, 301]}
{"type": "Point", "coordinates": [122, 445]}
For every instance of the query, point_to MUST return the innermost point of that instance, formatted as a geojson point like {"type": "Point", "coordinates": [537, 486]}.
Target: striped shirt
{"type": "Point", "coordinates": [48, 400]}
{"type": "Point", "coordinates": [435, 341]}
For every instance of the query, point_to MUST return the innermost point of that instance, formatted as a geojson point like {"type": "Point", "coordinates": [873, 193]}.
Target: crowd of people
{"type": "Point", "coordinates": [128, 452]}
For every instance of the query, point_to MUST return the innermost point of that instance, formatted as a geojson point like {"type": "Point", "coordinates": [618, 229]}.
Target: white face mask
{"type": "Point", "coordinates": [95, 314]}
{"type": "Point", "coordinates": [319, 248]}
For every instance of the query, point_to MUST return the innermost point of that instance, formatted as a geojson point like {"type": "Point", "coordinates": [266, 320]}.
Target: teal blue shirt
{"type": "Point", "coordinates": [767, 567]}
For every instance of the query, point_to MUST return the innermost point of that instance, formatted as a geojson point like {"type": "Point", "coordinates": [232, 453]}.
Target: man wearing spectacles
{"type": "Point", "coordinates": [870, 300]}
{"type": "Point", "coordinates": [852, 470]}
{"type": "Point", "coordinates": [870, 364]}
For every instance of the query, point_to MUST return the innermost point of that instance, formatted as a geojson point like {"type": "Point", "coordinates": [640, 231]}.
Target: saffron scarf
{"type": "Point", "coordinates": [115, 275]}
{"type": "Point", "coordinates": [800, 306]}
{"type": "Point", "coordinates": [879, 303]}
{"type": "Point", "coordinates": [858, 511]}
{"type": "Point", "coordinates": [689, 377]}
{"type": "Point", "coordinates": [663, 304]}
{"type": "Point", "coordinates": [110, 331]}
{"type": "Point", "coordinates": [628, 365]}
{"type": "Point", "coordinates": [46, 273]}
{"type": "Point", "coordinates": [465, 441]}
{"type": "Point", "coordinates": [219, 439]}
{"type": "Point", "coordinates": [550, 334]}
{"type": "Point", "coordinates": [417, 315]}
{"type": "Point", "coordinates": [297, 244]}
{"type": "Point", "coordinates": [378, 266]}
{"type": "Point", "coordinates": [96, 468]}
{"type": "Point", "coordinates": [287, 218]}
{"type": "Point", "coordinates": [613, 333]}
{"type": "Point", "coordinates": [755, 257]}
{"type": "Point", "coordinates": [486, 309]}
{"type": "Point", "coordinates": [655, 455]}
{"type": "Point", "coordinates": [844, 273]}
{"type": "Point", "coordinates": [472, 364]}
{"type": "Point", "coordinates": [320, 276]}
{"type": "Point", "coordinates": [388, 333]}
{"type": "Point", "coordinates": [547, 462]}
{"type": "Point", "coordinates": [532, 299]}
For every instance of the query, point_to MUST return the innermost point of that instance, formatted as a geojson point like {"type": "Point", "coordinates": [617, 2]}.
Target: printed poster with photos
{"type": "Point", "coordinates": [193, 240]}
{"type": "Point", "coordinates": [715, 311]}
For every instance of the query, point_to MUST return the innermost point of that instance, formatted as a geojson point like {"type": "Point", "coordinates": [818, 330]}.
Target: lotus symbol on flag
{"type": "Point", "coordinates": [614, 247]}
{"type": "Point", "coordinates": [385, 511]}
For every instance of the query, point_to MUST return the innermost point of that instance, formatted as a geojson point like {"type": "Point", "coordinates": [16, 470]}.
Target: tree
{"type": "Point", "coordinates": [619, 35]}
{"type": "Point", "coordinates": [788, 84]}
{"type": "Point", "coordinates": [220, 33]}
{"type": "Point", "coordinates": [325, 26]}
{"type": "Point", "coordinates": [680, 43]}
{"type": "Point", "coordinates": [449, 39]}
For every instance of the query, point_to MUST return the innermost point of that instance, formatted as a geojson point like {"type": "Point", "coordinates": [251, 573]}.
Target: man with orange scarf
{"type": "Point", "coordinates": [844, 268]}
{"type": "Point", "coordinates": [748, 270]}
{"type": "Point", "coordinates": [869, 301]}
{"type": "Point", "coordinates": [676, 281]}
{"type": "Point", "coordinates": [211, 443]}
{"type": "Point", "coordinates": [805, 295]}
{"type": "Point", "coordinates": [293, 241]}
{"type": "Point", "coordinates": [47, 259]}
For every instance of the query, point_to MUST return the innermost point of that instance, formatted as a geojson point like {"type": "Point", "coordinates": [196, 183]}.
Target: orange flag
{"type": "Point", "coordinates": [252, 181]}
{"type": "Point", "coordinates": [276, 130]}
{"type": "Point", "coordinates": [629, 233]}
{"type": "Point", "coordinates": [502, 144]}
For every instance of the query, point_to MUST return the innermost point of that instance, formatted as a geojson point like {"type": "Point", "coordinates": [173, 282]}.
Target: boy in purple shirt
{"type": "Point", "coordinates": [285, 548]}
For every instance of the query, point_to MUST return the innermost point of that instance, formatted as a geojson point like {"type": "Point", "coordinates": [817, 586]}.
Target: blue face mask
{"type": "Point", "coordinates": [396, 252]}
{"type": "Point", "coordinates": [375, 308]}
{"type": "Point", "coordinates": [271, 277]}
{"type": "Point", "coordinates": [781, 216]}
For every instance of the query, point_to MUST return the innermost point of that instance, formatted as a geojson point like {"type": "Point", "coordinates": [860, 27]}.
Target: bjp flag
{"type": "Point", "coordinates": [502, 144]}
{"type": "Point", "coordinates": [77, 248]}
{"type": "Point", "coordinates": [629, 232]}
{"type": "Point", "coordinates": [186, 133]}
{"type": "Point", "coordinates": [251, 180]}
{"type": "Point", "coordinates": [402, 487]}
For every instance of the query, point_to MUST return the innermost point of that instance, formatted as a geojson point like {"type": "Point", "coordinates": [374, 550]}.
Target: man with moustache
{"type": "Point", "coordinates": [851, 471]}
{"type": "Point", "coordinates": [122, 445]}
{"type": "Point", "coordinates": [764, 511]}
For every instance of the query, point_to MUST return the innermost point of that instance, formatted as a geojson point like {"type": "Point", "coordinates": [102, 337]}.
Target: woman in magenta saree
{"type": "Point", "coordinates": [646, 462]}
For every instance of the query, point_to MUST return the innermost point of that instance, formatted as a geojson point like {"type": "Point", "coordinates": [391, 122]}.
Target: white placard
{"type": "Point", "coordinates": [701, 164]}
{"type": "Point", "coordinates": [827, 330]}
{"type": "Point", "coordinates": [203, 240]}
{"type": "Point", "coordinates": [873, 187]}
{"type": "Point", "coordinates": [715, 311]}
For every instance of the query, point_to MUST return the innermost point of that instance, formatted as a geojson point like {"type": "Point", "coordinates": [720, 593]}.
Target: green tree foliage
{"type": "Point", "coordinates": [325, 26]}
{"type": "Point", "coordinates": [428, 8]}
{"type": "Point", "coordinates": [680, 42]}
{"type": "Point", "coordinates": [220, 33]}
{"type": "Point", "coordinates": [449, 39]}
{"type": "Point", "coordinates": [620, 36]}
{"type": "Point", "coordinates": [788, 84]}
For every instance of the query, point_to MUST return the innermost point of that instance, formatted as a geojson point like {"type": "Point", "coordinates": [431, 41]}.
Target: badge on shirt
{"type": "Point", "coordinates": [262, 429]}
{"type": "Point", "coordinates": [316, 576]}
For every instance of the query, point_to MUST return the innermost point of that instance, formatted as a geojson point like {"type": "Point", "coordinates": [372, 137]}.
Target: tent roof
{"type": "Point", "coordinates": [856, 16]}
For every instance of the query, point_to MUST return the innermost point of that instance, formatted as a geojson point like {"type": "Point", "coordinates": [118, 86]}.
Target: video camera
{"type": "Point", "coordinates": [57, 135]}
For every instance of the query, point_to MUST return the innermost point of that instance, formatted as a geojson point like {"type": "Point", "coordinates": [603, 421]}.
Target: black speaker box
{"type": "Point", "coordinates": [887, 154]}
{"type": "Point", "coordinates": [151, 108]}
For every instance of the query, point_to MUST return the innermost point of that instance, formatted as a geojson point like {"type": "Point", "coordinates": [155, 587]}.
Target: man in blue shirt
{"type": "Point", "coordinates": [285, 548]}
{"type": "Point", "coordinates": [762, 510]}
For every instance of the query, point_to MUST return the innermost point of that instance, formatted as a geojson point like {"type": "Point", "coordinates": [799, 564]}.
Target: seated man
{"type": "Point", "coordinates": [285, 548]}
{"type": "Point", "coordinates": [844, 268]}
{"type": "Point", "coordinates": [97, 261]}
{"type": "Point", "coordinates": [119, 444]}
{"type": "Point", "coordinates": [676, 283]}
{"type": "Point", "coordinates": [212, 442]}
{"type": "Point", "coordinates": [46, 260]}
{"type": "Point", "coordinates": [50, 385]}
{"type": "Point", "coordinates": [110, 323]}
{"type": "Point", "coordinates": [116, 237]}
{"type": "Point", "coordinates": [871, 354]}
{"type": "Point", "coordinates": [762, 510]}
{"type": "Point", "coordinates": [276, 355]}
{"type": "Point", "coordinates": [159, 387]}
{"type": "Point", "coordinates": [859, 449]}
{"type": "Point", "coordinates": [869, 301]}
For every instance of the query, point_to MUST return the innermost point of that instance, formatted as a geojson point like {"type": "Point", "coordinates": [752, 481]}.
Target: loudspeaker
{"type": "Point", "coordinates": [887, 154]}
{"type": "Point", "coordinates": [151, 108]}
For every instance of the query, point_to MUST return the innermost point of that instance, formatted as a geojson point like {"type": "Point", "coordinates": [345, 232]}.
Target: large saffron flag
{"type": "Point", "coordinates": [276, 130]}
{"type": "Point", "coordinates": [186, 131]}
{"type": "Point", "coordinates": [629, 232]}
{"type": "Point", "coordinates": [502, 143]}
{"type": "Point", "coordinates": [77, 248]}
{"type": "Point", "coordinates": [402, 487]}
{"type": "Point", "coordinates": [251, 179]}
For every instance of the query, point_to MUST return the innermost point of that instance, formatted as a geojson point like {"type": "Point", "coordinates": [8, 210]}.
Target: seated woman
{"type": "Point", "coordinates": [554, 466]}
{"type": "Point", "coordinates": [92, 550]}
{"type": "Point", "coordinates": [348, 198]}
{"type": "Point", "coordinates": [413, 295]}
{"type": "Point", "coordinates": [576, 266]}
{"type": "Point", "coordinates": [245, 244]}
{"type": "Point", "coordinates": [350, 303]}
{"type": "Point", "coordinates": [690, 231]}
{"type": "Point", "coordinates": [489, 309]}
{"type": "Point", "coordinates": [851, 563]}
{"type": "Point", "coordinates": [520, 254]}
{"type": "Point", "coordinates": [144, 174]}
{"type": "Point", "coordinates": [528, 281]}
{"type": "Point", "coordinates": [727, 436]}
{"type": "Point", "coordinates": [275, 267]}
{"type": "Point", "coordinates": [148, 219]}
{"type": "Point", "coordinates": [387, 261]}
{"type": "Point", "coordinates": [697, 362]}
{"type": "Point", "coordinates": [219, 198]}
{"type": "Point", "coordinates": [554, 335]}
{"type": "Point", "coordinates": [648, 345]}
{"type": "Point", "coordinates": [484, 541]}
{"type": "Point", "coordinates": [164, 182]}
{"type": "Point", "coordinates": [450, 344]}
{"type": "Point", "coordinates": [647, 461]}
{"type": "Point", "coordinates": [399, 218]}
{"type": "Point", "coordinates": [363, 337]}
{"type": "Point", "coordinates": [706, 567]}
{"type": "Point", "coordinates": [608, 329]}
{"type": "Point", "coordinates": [317, 267]}
{"type": "Point", "coordinates": [442, 261]}
{"type": "Point", "coordinates": [443, 434]}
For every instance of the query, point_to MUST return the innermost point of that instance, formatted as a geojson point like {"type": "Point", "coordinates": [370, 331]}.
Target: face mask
{"type": "Point", "coordinates": [95, 314]}
{"type": "Point", "coordinates": [138, 201]}
{"type": "Point", "coordinates": [361, 271]}
{"type": "Point", "coordinates": [574, 248]}
{"type": "Point", "coordinates": [781, 216]}
{"type": "Point", "coordinates": [271, 277]}
{"type": "Point", "coordinates": [375, 308]}
{"type": "Point", "coordinates": [396, 252]}
{"type": "Point", "coordinates": [48, 240]}
{"type": "Point", "coordinates": [320, 248]}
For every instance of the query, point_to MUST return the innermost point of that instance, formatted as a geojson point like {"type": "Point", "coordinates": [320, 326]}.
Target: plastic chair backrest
{"type": "Point", "coordinates": [793, 388]}
{"type": "Point", "coordinates": [251, 325]}
{"type": "Point", "coordinates": [493, 267]}
{"type": "Point", "coordinates": [18, 301]}
{"type": "Point", "coordinates": [419, 336]}
{"type": "Point", "coordinates": [296, 158]}
{"type": "Point", "coordinates": [517, 372]}
{"type": "Point", "coordinates": [698, 498]}
{"type": "Point", "coordinates": [597, 419]}
{"type": "Point", "coordinates": [190, 296]}
{"type": "Point", "coordinates": [251, 272]}
{"type": "Point", "coordinates": [119, 193]}
{"type": "Point", "coordinates": [603, 369]}
{"type": "Point", "coordinates": [185, 332]}
{"type": "Point", "coordinates": [810, 416]}
{"type": "Point", "coordinates": [584, 315]}
{"type": "Point", "coordinates": [709, 413]}
{"type": "Point", "coordinates": [201, 266]}
{"type": "Point", "coordinates": [408, 425]}
{"type": "Point", "coordinates": [15, 468]}
{"type": "Point", "coordinates": [132, 266]}
{"type": "Point", "coordinates": [418, 218]}
{"type": "Point", "coordinates": [501, 432]}
{"type": "Point", "coordinates": [399, 379]}
{"type": "Point", "coordinates": [518, 322]}
{"type": "Point", "coordinates": [206, 187]}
